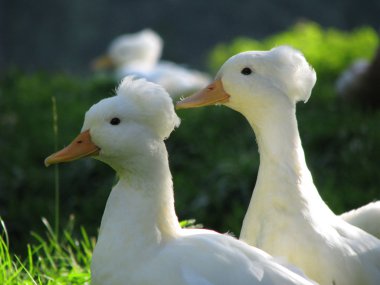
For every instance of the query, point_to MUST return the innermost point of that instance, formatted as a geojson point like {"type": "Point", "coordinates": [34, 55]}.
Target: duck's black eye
{"type": "Point", "coordinates": [115, 121]}
{"type": "Point", "coordinates": [246, 71]}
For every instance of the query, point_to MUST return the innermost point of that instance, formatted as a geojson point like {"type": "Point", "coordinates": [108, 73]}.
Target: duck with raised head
{"type": "Point", "coordinates": [140, 240]}
{"type": "Point", "coordinates": [286, 215]}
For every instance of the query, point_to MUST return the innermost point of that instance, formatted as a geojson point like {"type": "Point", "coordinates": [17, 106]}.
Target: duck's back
{"type": "Point", "coordinates": [205, 257]}
{"type": "Point", "coordinates": [333, 252]}
{"type": "Point", "coordinates": [199, 257]}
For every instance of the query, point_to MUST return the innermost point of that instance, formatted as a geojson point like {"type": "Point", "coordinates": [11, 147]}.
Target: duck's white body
{"type": "Point", "coordinates": [139, 55]}
{"type": "Point", "coordinates": [140, 240]}
{"type": "Point", "coordinates": [366, 217]}
{"type": "Point", "coordinates": [286, 216]}
{"type": "Point", "coordinates": [137, 246]}
{"type": "Point", "coordinates": [176, 79]}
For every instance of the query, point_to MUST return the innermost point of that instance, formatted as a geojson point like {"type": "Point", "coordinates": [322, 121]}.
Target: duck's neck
{"type": "Point", "coordinates": [284, 186]}
{"type": "Point", "coordinates": [280, 148]}
{"type": "Point", "coordinates": [140, 209]}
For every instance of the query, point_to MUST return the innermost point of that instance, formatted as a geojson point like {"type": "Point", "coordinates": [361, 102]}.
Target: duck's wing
{"type": "Point", "coordinates": [209, 258]}
{"type": "Point", "coordinates": [363, 248]}
{"type": "Point", "coordinates": [366, 217]}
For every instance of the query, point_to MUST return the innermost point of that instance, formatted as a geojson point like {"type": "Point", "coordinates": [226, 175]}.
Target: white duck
{"type": "Point", "coordinates": [139, 54]}
{"type": "Point", "coordinates": [366, 217]}
{"type": "Point", "coordinates": [286, 216]}
{"type": "Point", "coordinates": [140, 240]}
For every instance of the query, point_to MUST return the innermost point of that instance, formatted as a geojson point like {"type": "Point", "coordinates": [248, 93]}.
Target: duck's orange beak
{"type": "Point", "coordinates": [81, 146]}
{"type": "Point", "coordinates": [212, 94]}
{"type": "Point", "coordinates": [102, 62]}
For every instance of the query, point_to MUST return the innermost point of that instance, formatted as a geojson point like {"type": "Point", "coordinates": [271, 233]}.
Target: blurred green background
{"type": "Point", "coordinates": [213, 153]}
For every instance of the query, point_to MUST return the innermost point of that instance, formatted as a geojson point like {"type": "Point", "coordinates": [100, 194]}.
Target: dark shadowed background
{"type": "Point", "coordinates": [66, 35]}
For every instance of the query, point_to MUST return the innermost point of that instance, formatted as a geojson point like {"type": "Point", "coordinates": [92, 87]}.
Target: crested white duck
{"type": "Point", "coordinates": [139, 54]}
{"type": "Point", "coordinates": [286, 216]}
{"type": "Point", "coordinates": [140, 240]}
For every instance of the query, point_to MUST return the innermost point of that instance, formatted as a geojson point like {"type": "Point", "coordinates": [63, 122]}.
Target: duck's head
{"type": "Point", "coordinates": [123, 127]}
{"type": "Point", "coordinates": [143, 47]}
{"type": "Point", "coordinates": [258, 79]}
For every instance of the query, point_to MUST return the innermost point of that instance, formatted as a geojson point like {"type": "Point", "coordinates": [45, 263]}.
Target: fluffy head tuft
{"type": "Point", "coordinates": [150, 104]}
{"type": "Point", "coordinates": [294, 73]}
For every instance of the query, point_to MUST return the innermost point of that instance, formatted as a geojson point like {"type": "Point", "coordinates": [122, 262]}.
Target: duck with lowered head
{"type": "Point", "coordinates": [139, 54]}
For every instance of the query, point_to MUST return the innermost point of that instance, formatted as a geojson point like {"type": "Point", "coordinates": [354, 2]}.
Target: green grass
{"type": "Point", "coordinates": [48, 259]}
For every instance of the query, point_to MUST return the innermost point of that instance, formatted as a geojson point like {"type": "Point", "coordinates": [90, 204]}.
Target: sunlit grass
{"type": "Point", "coordinates": [48, 260]}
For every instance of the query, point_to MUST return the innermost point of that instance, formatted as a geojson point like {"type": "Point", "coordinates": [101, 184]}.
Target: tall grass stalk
{"type": "Point", "coordinates": [56, 169]}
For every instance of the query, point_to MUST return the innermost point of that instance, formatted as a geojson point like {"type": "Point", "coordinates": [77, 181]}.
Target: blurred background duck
{"type": "Point", "coordinates": [360, 83]}
{"type": "Point", "coordinates": [140, 240]}
{"type": "Point", "coordinates": [286, 215]}
{"type": "Point", "coordinates": [139, 54]}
